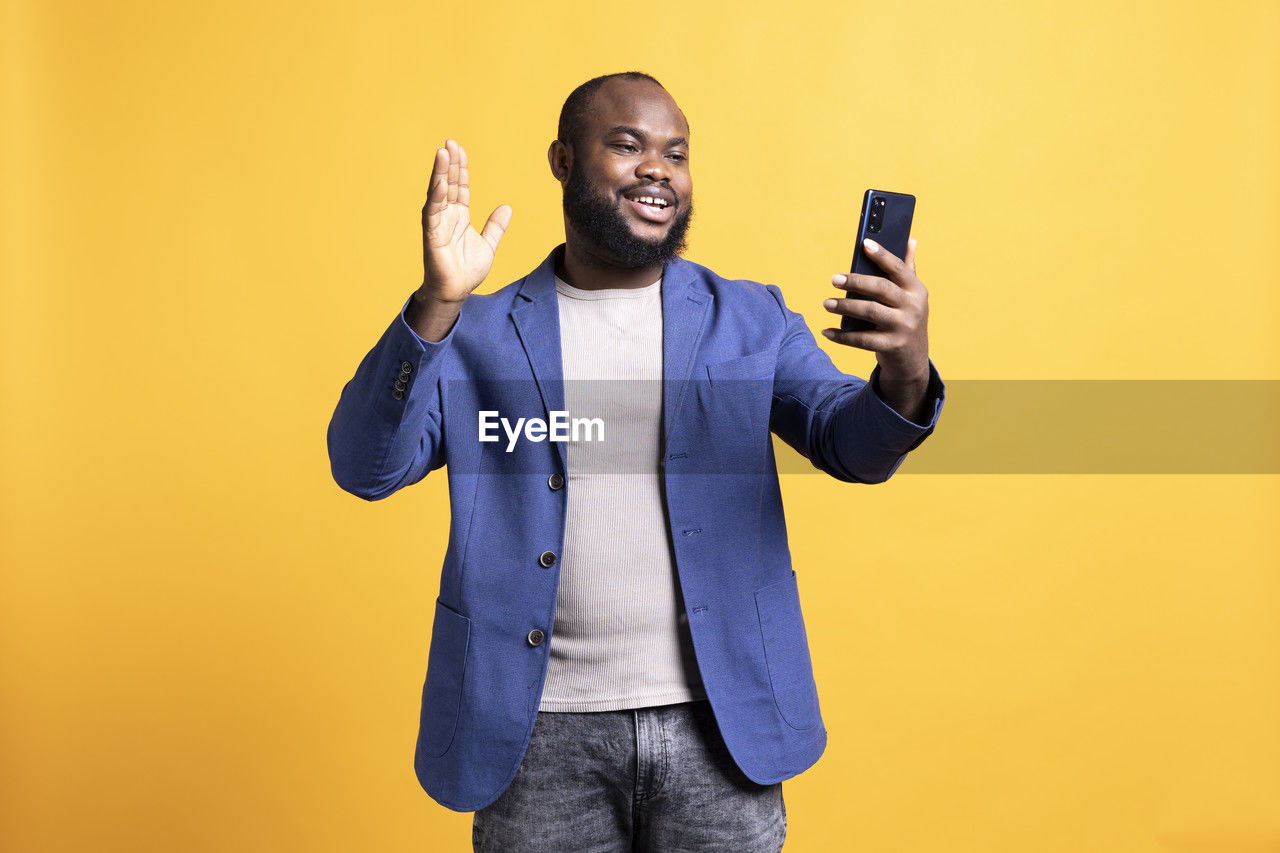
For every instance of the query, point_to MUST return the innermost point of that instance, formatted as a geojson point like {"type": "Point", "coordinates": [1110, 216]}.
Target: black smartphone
{"type": "Point", "coordinates": [886, 218]}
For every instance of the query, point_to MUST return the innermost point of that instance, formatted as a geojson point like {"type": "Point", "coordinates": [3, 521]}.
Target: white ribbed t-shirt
{"type": "Point", "coordinates": [621, 636]}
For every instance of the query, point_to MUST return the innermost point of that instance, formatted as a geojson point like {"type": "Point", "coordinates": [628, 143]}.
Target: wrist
{"type": "Point", "coordinates": [427, 297]}
{"type": "Point", "coordinates": [897, 376]}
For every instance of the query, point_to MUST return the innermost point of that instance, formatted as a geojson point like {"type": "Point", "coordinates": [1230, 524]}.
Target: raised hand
{"type": "Point", "coordinates": [455, 257]}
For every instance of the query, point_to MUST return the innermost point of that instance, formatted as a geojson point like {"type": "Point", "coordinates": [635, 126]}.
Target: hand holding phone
{"type": "Point", "coordinates": [886, 219]}
{"type": "Point", "coordinates": [895, 324]}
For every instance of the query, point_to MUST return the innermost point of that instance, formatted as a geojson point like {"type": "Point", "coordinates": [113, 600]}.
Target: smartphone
{"type": "Point", "coordinates": [886, 218]}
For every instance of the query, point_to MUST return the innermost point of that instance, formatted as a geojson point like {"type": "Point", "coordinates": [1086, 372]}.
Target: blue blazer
{"type": "Point", "coordinates": [737, 364]}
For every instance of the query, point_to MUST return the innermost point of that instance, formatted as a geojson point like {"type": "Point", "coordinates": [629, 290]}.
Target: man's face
{"type": "Point", "coordinates": [634, 145]}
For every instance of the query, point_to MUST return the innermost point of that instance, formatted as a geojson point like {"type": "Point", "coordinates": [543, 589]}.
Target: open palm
{"type": "Point", "coordinates": [455, 257]}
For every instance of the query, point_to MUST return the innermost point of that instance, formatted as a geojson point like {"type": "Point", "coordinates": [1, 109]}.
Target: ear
{"type": "Point", "coordinates": [560, 157]}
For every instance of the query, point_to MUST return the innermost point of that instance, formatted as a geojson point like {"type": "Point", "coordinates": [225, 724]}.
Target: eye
{"type": "Point", "coordinates": [625, 146]}
{"type": "Point", "coordinates": [679, 158]}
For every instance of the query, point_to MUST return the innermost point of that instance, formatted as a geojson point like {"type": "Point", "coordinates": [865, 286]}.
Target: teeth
{"type": "Point", "coordinates": [644, 199]}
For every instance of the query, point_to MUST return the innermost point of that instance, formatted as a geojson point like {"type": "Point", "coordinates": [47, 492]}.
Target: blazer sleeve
{"type": "Point", "coordinates": [383, 437]}
{"type": "Point", "coordinates": [835, 420]}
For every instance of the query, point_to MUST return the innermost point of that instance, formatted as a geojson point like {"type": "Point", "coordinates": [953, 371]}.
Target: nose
{"type": "Point", "coordinates": [654, 169]}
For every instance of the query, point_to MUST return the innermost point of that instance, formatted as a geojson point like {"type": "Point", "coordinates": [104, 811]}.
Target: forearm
{"type": "Point", "coordinates": [431, 318]}
{"type": "Point", "coordinates": [386, 431]}
{"type": "Point", "coordinates": [871, 438]}
{"type": "Point", "coordinates": [907, 396]}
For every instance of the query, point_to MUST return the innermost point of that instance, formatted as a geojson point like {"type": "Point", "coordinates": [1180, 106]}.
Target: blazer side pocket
{"type": "Point", "coordinates": [786, 650]}
{"type": "Point", "coordinates": [442, 691]}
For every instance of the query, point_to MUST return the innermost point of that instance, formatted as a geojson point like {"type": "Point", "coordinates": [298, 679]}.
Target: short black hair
{"type": "Point", "coordinates": [573, 115]}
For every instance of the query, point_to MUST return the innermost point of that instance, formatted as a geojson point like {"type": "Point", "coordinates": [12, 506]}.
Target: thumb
{"type": "Point", "coordinates": [497, 225]}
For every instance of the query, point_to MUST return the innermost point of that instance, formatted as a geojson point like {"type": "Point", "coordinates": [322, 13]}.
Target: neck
{"type": "Point", "coordinates": [587, 268]}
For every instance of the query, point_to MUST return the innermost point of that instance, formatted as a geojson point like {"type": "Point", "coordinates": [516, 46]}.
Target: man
{"type": "Point", "coordinates": [618, 659]}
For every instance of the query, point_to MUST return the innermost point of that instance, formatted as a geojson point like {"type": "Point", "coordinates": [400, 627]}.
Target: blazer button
{"type": "Point", "coordinates": [399, 385]}
{"type": "Point", "coordinates": [556, 481]}
{"type": "Point", "coordinates": [536, 637]}
{"type": "Point", "coordinates": [406, 368]}
{"type": "Point", "coordinates": [547, 559]}
{"type": "Point", "coordinates": [398, 394]}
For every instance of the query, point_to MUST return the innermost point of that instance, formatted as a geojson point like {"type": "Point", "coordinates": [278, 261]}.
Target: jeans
{"type": "Point", "coordinates": [648, 779]}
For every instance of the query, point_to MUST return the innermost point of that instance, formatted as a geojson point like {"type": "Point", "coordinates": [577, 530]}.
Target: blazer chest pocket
{"type": "Point", "coordinates": [786, 649]}
{"type": "Point", "coordinates": [442, 691]}
{"type": "Point", "coordinates": [737, 401]}
{"type": "Point", "coordinates": [753, 366]}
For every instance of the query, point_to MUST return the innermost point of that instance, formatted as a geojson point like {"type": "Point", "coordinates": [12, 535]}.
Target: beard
{"type": "Point", "coordinates": [599, 219]}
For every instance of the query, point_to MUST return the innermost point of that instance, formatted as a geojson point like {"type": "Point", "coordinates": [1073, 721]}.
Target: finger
{"type": "Point", "coordinates": [437, 190]}
{"type": "Point", "coordinates": [874, 340]}
{"type": "Point", "coordinates": [861, 309]}
{"type": "Point", "coordinates": [892, 265]}
{"type": "Point", "coordinates": [911, 254]}
{"type": "Point", "coordinates": [497, 225]}
{"type": "Point", "coordinates": [453, 169]}
{"type": "Point", "coordinates": [879, 289]}
{"type": "Point", "coordinates": [464, 187]}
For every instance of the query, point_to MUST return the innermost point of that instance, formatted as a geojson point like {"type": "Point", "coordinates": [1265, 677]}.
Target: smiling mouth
{"type": "Point", "coordinates": [651, 209]}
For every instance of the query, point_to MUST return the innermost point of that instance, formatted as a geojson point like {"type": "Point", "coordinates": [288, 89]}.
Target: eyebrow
{"type": "Point", "coordinates": [639, 134]}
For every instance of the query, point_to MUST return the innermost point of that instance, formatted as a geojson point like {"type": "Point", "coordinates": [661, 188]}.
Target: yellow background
{"type": "Point", "coordinates": [211, 211]}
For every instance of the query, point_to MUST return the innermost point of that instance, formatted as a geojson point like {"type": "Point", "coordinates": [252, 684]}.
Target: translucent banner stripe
{"type": "Point", "coordinates": [1103, 427]}
{"type": "Point", "coordinates": [987, 427]}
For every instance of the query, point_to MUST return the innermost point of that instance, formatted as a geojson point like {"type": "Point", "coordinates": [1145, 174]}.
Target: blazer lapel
{"type": "Point", "coordinates": [537, 319]}
{"type": "Point", "coordinates": [684, 319]}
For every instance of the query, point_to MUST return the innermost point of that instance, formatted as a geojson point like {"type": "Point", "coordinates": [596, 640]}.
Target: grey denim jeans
{"type": "Point", "coordinates": [648, 779]}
